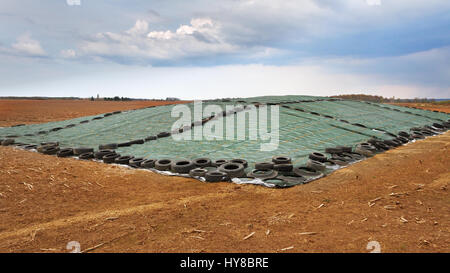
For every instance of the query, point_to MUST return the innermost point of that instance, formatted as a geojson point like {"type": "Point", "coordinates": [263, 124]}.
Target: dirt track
{"type": "Point", "coordinates": [399, 198]}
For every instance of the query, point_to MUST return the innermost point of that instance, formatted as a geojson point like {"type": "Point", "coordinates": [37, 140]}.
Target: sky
{"type": "Point", "coordinates": [202, 49]}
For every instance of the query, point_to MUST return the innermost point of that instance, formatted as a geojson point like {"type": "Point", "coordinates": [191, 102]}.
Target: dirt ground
{"type": "Point", "coordinates": [427, 106]}
{"type": "Point", "coordinates": [399, 199]}
{"type": "Point", "coordinates": [13, 112]}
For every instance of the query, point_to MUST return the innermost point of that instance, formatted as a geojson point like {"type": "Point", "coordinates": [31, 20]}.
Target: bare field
{"type": "Point", "coordinates": [399, 198]}
{"type": "Point", "coordinates": [427, 106]}
{"type": "Point", "coordinates": [14, 112]}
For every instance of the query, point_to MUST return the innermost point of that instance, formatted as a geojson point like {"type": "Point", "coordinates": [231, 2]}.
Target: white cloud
{"type": "Point", "coordinates": [201, 37]}
{"type": "Point", "coordinates": [68, 53]}
{"type": "Point", "coordinates": [27, 46]}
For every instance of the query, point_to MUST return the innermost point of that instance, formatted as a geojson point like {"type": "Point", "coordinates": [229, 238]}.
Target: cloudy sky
{"type": "Point", "coordinates": [224, 48]}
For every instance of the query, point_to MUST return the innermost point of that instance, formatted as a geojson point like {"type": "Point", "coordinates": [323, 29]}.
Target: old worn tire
{"type": "Point", "coordinates": [232, 169]}
{"type": "Point", "coordinates": [82, 150]}
{"type": "Point", "coordinates": [50, 150]}
{"type": "Point", "coordinates": [148, 164]}
{"type": "Point", "coordinates": [306, 172]}
{"type": "Point", "coordinates": [110, 146]}
{"type": "Point", "coordinates": [136, 162]}
{"type": "Point", "coordinates": [364, 151]}
{"type": "Point", "coordinates": [182, 166]}
{"type": "Point", "coordinates": [202, 162]}
{"type": "Point", "coordinates": [198, 172]}
{"type": "Point", "coordinates": [215, 176]}
{"type": "Point", "coordinates": [65, 152]}
{"type": "Point", "coordinates": [100, 154]}
{"type": "Point", "coordinates": [287, 167]}
{"type": "Point", "coordinates": [263, 174]}
{"type": "Point", "coordinates": [149, 138]}
{"type": "Point", "coordinates": [124, 160]}
{"type": "Point", "coordinates": [218, 162]}
{"type": "Point", "coordinates": [281, 160]}
{"type": "Point", "coordinates": [110, 158]}
{"type": "Point", "coordinates": [86, 156]}
{"type": "Point", "coordinates": [317, 157]}
{"type": "Point", "coordinates": [30, 147]}
{"type": "Point", "coordinates": [333, 150]}
{"type": "Point", "coordinates": [7, 142]}
{"type": "Point", "coordinates": [163, 164]}
{"type": "Point", "coordinates": [316, 165]}
{"type": "Point", "coordinates": [264, 166]}
{"type": "Point", "coordinates": [163, 134]}
{"type": "Point", "coordinates": [240, 161]}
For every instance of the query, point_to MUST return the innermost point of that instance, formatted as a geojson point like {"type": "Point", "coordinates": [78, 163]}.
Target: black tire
{"type": "Point", "coordinates": [381, 146]}
{"type": "Point", "coordinates": [163, 134]}
{"type": "Point", "coordinates": [215, 176]}
{"type": "Point", "coordinates": [116, 112]}
{"type": "Point", "coordinates": [263, 166]}
{"type": "Point", "coordinates": [137, 141]}
{"type": "Point", "coordinates": [124, 160]}
{"type": "Point", "coordinates": [364, 151]}
{"type": "Point", "coordinates": [124, 144]}
{"type": "Point", "coordinates": [65, 152]}
{"type": "Point", "coordinates": [182, 166]}
{"type": "Point", "coordinates": [69, 126]}
{"type": "Point", "coordinates": [338, 162]}
{"type": "Point", "coordinates": [198, 172]}
{"type": "Point", "coordinates": [8, 142]}
{"type": "Point", "coordinates": [202, 162]}
{"type": "Point", "coordinates": [42, 132]}
{"type": "Point", "coordinates": [56, 129]}
{"type": "Point", "coordinates": [82, 150]}
{"type": "Point", "coordinates": [404, 140]}
{"type": "Point", "coordinates": [50, 150]}
{"type": "Point", "coordinates": [240, 161]}
{"type": "Point", "coordinates": [30, 147]}
{"type": "Point", "coordinates": [334, 150]}
{"type": "Point", "coordinates": [111, 146]}
{"type": "Point", "coordinates": [148, 163]}
{"type": "Point", "coordinates": [86, 156]}
{"type": "Point", "coordinates": [136, 162]}
{"type": "Point", "coordinates": [149, 138]}
{"type": "Point", "coordinates": [281, 160]}
{"type": "Point", "coordinates": [404, 134]}
{"type": "Point", "coordinates": [263, 174]}
{"type": "Point", "coordinates": [353, 155]}
{"type": "Point", "coordinates": [218, 162]}
{"type": "Point", "coordinates": [316, 165]}
{"type": "Point", "coordinates": [318, 157]}
{"type": "Point", "coordinates": [110, 158]}
{"type": "Point", "coordinates": [84, 121]}
{"type": "Point", "coordinates": [306, 172]}
{"type": "Point", "coordinates": [283, 167]}
{"type": "Point", "coordinates": [232, 169]}
{"type": "Point", "coordinates": [390, 143]}
{"type": "Point", "coordinates": [330, 164]}
{"type": "Point", "coordinates": [163, 164]}
{"type": "Point", "coordinates": [100, 154]}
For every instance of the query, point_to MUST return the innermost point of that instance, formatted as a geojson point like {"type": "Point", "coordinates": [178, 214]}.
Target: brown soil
{"type": "Point", "coordinates": [14, 112]}
{"type": "Point", "coordinates": [427, 106]}
{"type": "Point", "coordinates": [399, 198]}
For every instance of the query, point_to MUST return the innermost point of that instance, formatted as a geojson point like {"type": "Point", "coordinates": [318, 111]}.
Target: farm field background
{"type": "Point", "coordinates": [398, 198]}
